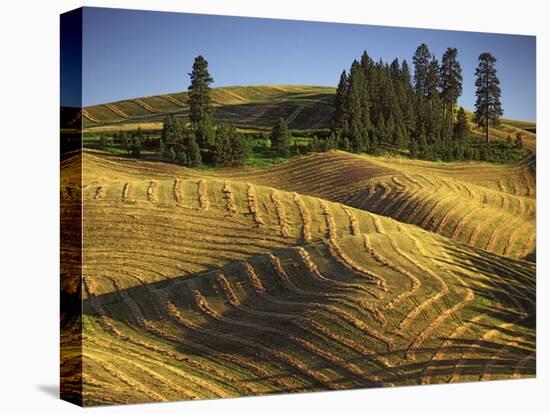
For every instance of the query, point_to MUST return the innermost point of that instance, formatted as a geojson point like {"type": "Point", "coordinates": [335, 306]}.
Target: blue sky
{"type": "Point", "coordinates": [129, 54]}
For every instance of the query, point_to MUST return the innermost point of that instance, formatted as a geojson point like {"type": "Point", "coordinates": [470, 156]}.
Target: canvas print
{"type": "Point", "coordinates": [257, 206]}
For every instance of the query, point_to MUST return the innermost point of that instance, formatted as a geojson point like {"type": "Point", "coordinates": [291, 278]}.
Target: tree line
{"type": "Point", "coordinates": [133, 142]}
{"type": "Point", "coordinates": [379, 106]}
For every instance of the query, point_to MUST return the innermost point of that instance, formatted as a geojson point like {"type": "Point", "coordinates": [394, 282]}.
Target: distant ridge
{"type": "Point", "coordinates": [257, 107]}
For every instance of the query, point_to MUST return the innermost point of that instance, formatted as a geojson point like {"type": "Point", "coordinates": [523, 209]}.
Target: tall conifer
{"type": "Point", "coordinates": [488, 108]}
{"type": "Point", "coordinates": [451, 81]}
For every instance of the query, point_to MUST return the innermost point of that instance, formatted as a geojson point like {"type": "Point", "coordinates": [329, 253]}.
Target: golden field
{"type": "Point", "coordinates": [331, 271]}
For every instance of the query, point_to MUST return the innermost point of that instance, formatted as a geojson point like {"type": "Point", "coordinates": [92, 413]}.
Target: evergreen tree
{"type": "Point", "coordinates": [173, 139]}
{"type": "Point", "coordinates": [102, 141]}
{"type": "Point", "coordinates": [395, 69]}
{"type": "Point", "coordinates": [136, 143]}
{"type": "Point", "coordinates": [357, 107]}
{"type": "Point", "coordinates": [124, 140]}
{"type": "Point", "coordinates": [381, 129]}
{"type": "Point", "coordinates": [405, 73]}
{"type": "Point", "coordinates": [201, 111]}
{"type": "Point", "coordinates": [200, 106]}
{"type": "Point", "coordinates": [413, 149]}
{"type": "Point", "coordinates": [402, 138]}
{"type": "Point", "coordinates": [366, 65]}
{"type": "Point", "coordinates": [280, 137]}
{"type": "Point", "coordinates": [170, 154]}
{"type": "Point", "coordinates": [488, 108]}
{"type": "Point", "coordinates": [339, 117]}
{"type": "Point", "coordinates": [432, 78]}
{"type": "Point", "coordinates": [373, 144]}
{"type": "Point", "coordinates": [391, 131]}
{"type": "Point", "coordinates": [181, 158]}
{"type": "Point", "coordinates": [421, 62]}
{"type": "Point", "coordinates": [238, 148]}
{"type": "Point", "coordinates": [346, 146]}
{"type": "Point", "coordinates": [409, 116]}
{"type": "Point", "coordinates": [194, 158]}
{"type": "Point", "coordinates": [205, 135]}
{"type": "Point", "coordinates": [461, 129]}
{"type": "Point", "coordinates": [221, 149]}
{"type": "Point", "coordinates": [451, 81]}
{"type": "Point", "coordinates": [423, 145]}
{"type": "Point", "coordinates": [230, 148]}
{"type": "Point", "coordinates": [484, 153]}
{"type": "Point", "coordinates": [168, 138]}
{"type": "Point", "coordinates": [331, 142]}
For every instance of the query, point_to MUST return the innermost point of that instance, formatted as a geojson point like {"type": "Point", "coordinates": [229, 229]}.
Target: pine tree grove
{"type": "Point", "coordinates": [380, 107]}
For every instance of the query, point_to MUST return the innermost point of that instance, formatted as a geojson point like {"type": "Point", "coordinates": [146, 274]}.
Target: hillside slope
{"type": "Point", "coordinates": [300, 319]}
{"type": "Point", "coordinates": [178, 274]}
{"type": "Point", "coordinates": [487, 206]}
{"type": "Point", "coordinates": [196, 286]}
{"type": "Point", "coordinates": [137, 232]}
{"type": "Point", "coordinates": [509, 128]}
{"type": "Point", "coordinates": [257, 107]}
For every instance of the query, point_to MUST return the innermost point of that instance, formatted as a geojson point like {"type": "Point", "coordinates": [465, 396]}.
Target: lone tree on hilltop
{"type": "Point", "coordinates": [200, 105]}
{"type": "Point", "coordinates": [450, 75]}
{"type": "Point", "coordinates": [201, 111]}
{"type": "Point", "coordinates": [280, 137]}
{"type": "Point", "coordinates": [488, 107]}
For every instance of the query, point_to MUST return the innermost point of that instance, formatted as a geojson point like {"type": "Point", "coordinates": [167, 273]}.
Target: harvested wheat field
{"type": "Point", "coordinates": [492, 207]}
{"type": "Point", "coordinates": [332, 271]}
{"type": "Point", "coordinates": [245, 106]}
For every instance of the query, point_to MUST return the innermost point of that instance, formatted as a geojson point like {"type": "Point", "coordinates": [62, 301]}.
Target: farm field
{"type": "Point", "coordinates": [350, 271]}
{"type": "Point", "coordinates": [454, 200]}
{"type": "Point", "coordinates": [257, 107]}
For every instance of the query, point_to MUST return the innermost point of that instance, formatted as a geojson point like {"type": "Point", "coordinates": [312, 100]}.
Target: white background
{"type": "Point", "coordinates": [29, 99]}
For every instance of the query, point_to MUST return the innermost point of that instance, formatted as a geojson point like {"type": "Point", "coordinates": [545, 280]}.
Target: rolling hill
{"type": "Point", "coordinates": [298, 277]}
{"type": "Point", "coordinates": [485, 205]}
{"type": "Point", "coordinates": [509, 128]}
{"type": "Point", "coordinates": [488, 206]}
{"type": "Point", "coordinates": [256, 107]}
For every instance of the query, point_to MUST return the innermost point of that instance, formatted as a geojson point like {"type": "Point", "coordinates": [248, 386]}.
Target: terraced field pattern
{"type": "Point", "coordinates": [332, 271]}
{"type": "Point", "coordinates": [255, 107]}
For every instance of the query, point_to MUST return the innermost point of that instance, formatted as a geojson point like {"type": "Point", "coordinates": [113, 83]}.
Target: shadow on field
{"type": "Point", "coordinates": [267, 332]}
{"type": "Point", "coordinates": [516, 279]}
{"type": "Point", "coordinates": [276, 335]}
